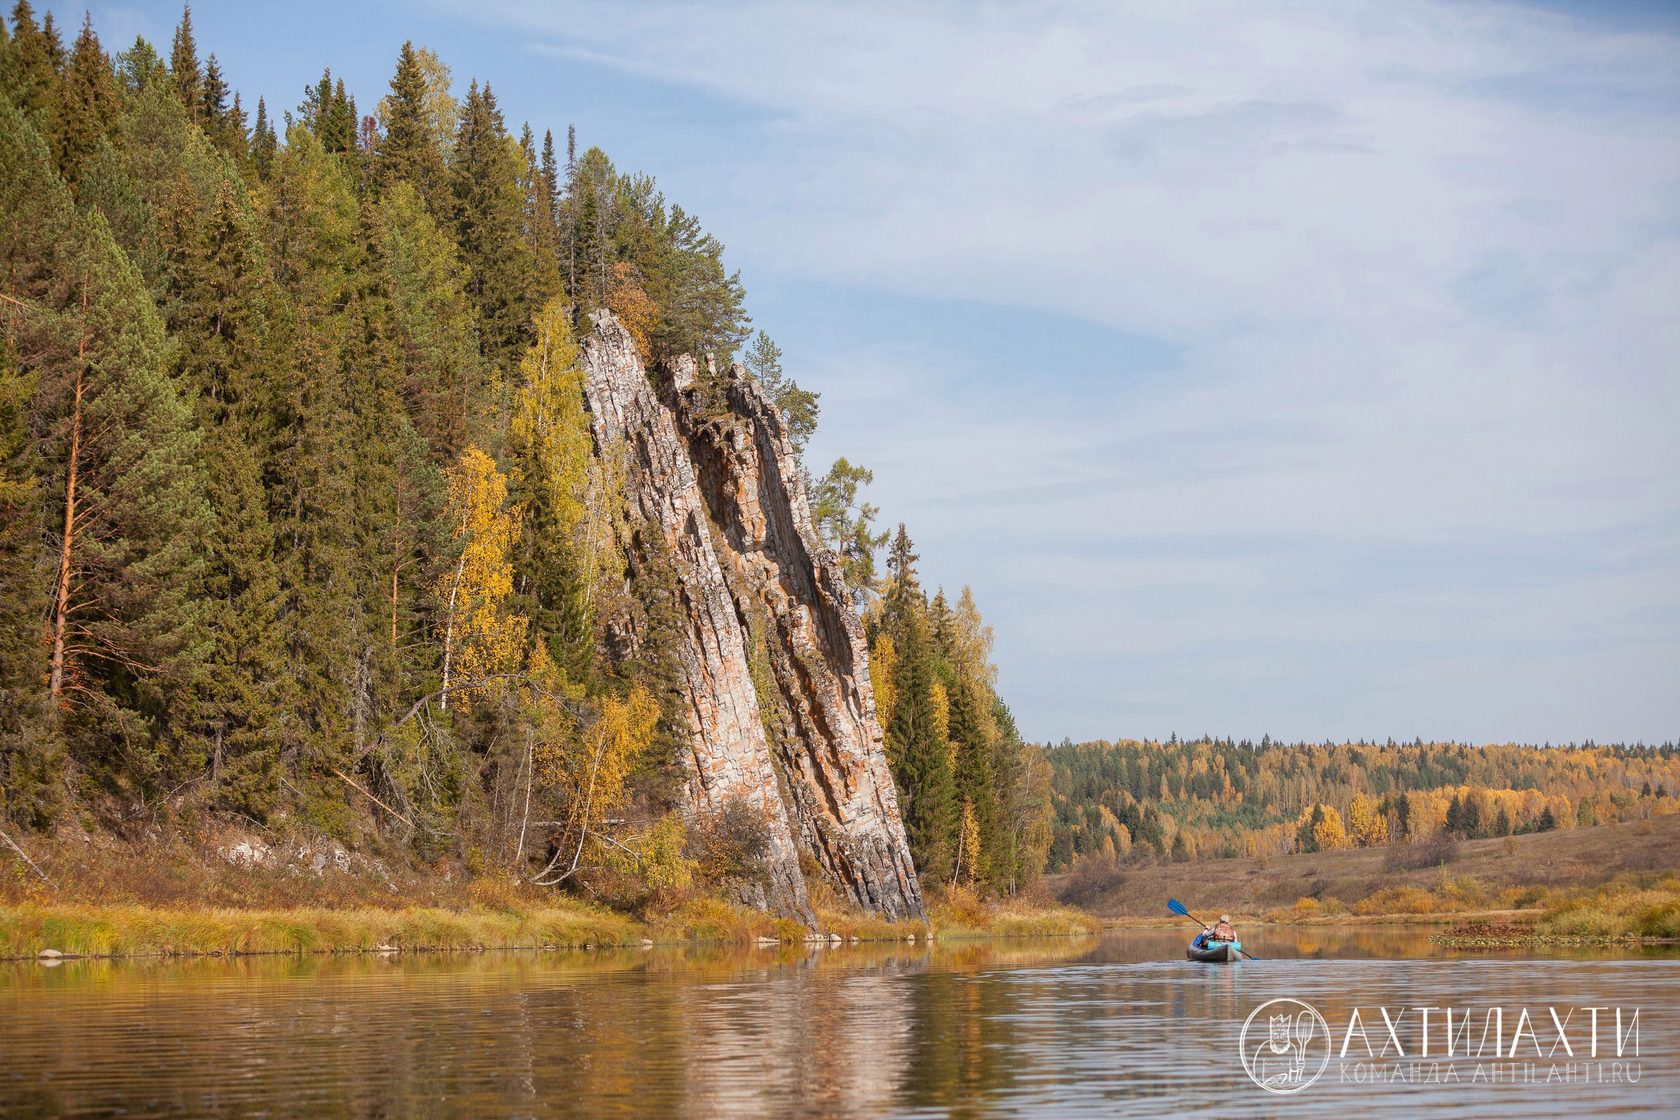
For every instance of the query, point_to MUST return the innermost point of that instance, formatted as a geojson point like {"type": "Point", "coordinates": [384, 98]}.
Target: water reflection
{"type": "Point", "coordinates": [1076, 1027]}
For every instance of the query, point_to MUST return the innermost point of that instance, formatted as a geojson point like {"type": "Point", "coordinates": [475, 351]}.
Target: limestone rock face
{"type": "Point", "coordinates": [789, 587]}
{"type": "Point", "coordinates": [715, 487]}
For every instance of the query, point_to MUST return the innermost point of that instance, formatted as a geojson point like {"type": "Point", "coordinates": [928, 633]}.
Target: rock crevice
{"type": "Point", "coordinates": [713, 475]}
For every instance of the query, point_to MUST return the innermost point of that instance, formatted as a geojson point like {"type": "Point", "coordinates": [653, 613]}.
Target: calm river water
{"type": "Point", "coordinates": [1108, 1026]}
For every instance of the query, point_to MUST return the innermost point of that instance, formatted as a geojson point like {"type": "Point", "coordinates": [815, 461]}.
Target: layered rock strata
{"type": "Point", "coordinates": [714, 487]}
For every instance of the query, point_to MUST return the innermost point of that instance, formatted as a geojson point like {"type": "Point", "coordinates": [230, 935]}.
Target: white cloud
{"type": "Point", "coordinates": [1422, 261]}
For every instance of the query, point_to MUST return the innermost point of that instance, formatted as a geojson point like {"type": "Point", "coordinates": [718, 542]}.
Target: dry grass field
{"type": "Point", "coordinates": [1518, 872]}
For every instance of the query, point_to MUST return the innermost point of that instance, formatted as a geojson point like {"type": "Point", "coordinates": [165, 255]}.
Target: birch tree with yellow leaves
{"type": "Point", "coordinates": [481, 637]}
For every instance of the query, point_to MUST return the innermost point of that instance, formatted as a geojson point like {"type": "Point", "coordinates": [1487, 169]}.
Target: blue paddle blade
{"type": "Point", "coordinates": [1177, 907]}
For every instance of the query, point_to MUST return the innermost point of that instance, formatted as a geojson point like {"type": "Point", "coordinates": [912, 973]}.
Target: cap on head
{"type": "Point", "coordinates": [1225, 917]}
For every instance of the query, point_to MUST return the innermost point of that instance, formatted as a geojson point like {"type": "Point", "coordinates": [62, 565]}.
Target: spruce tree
{"type": "Point", "coordinates": [922, 767]}
{"type": "Point", "coordinates": [489, 206]}
{"type": "Point", "coordinates": [183, 67]}
{"type": "Point", "coordinates": [264, 143]}
{"type": "Point", "coordinates": [312, 223]}
{"type": "Point", "coordinates": [28, 74]}
{"type": "Point", "coordinates": [223, 122]}
{"type": "Point", "coordinates": [88, 106]}
{"type": "Point", "coordinates": [449, 389]}
{"type": "Point", "coordinates": [411, 151]}
{"type": "Point", "coordinates": [916, 747]}
{"type": "Point", "coordinates": [542, 235]}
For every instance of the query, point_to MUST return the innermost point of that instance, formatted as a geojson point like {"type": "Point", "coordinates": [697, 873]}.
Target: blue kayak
{"type": "Point", "coordinates": [1215, 951]}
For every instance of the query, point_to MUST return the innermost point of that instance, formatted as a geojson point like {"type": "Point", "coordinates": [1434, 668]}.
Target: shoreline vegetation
{"type": "Point", "coordinates": [211, 890]}
{"type": "Point", "coordinates": [53, 930]}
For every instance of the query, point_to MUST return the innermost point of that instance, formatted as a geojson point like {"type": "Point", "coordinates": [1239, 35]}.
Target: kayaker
{"type": "Point", "coordinates": [1201, 939]}
{"type": "Point", "coordinates": [1224, 930]}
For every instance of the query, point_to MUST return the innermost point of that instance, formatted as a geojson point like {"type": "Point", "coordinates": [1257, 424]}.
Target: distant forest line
{"type": "Point", "coordinates": [1218, 798]}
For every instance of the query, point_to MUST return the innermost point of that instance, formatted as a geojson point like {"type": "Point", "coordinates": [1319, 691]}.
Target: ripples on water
{"type": "Point", "coordinates": [1093, 1027]}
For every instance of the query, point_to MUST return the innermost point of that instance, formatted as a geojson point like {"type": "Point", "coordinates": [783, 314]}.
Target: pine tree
{"type": "Point", "coordinates": [847, 523]}
{"type": "Point", "coordinates": [32, 767]}
{"type": "Point", "coordinates": [124, 494]}
{"type": "Point", "coordinates": [140, 66]}
{"type": "Point", "coordinates": [798, 406]}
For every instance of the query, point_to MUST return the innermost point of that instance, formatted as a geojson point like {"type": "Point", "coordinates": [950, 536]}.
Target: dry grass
{"type": "Point", "coordinates": [1513, 873]}
{"type": "Point", "coordinates": [1632, 906]}
{"type": "Point", "coordinates": [1641, 907]}
{"type": "Point", "coordinates": [172, 894]}
{"type": "Point", "coordinates": [703, 920]}
{"type": "Point", "coordinates": [960, 913]}
{"type": "Point", "coordinates": [130, 930]}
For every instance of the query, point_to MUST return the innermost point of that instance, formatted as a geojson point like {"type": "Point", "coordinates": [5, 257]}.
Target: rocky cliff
{"type": "Point", "coordinates": [781, 715]}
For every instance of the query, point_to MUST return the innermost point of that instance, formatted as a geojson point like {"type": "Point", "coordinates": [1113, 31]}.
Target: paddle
{"type": "Point", "coordinates": [1177, 907]}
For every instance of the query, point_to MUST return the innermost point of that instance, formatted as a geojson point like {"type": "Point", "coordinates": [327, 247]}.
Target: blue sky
{"type": "Point", "coordinates": [1302, 369]}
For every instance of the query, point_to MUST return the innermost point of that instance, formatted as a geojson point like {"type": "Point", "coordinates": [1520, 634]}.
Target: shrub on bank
{"type": "Point", "coordinates": [1396, 900]}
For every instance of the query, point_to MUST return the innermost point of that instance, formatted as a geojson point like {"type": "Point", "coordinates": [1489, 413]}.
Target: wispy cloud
{"type": "Point", "coordinates": [1410, 273]}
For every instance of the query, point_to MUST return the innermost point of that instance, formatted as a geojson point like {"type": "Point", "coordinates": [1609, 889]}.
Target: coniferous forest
{"type": "Point", "coordinates": [299, 521]}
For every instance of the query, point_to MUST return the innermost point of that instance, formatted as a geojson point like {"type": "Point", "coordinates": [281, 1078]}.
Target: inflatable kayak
{"type": "Point", "coordinates": [1215, 951]}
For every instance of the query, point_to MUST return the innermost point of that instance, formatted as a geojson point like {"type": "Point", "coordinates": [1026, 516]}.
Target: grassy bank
{"type": "Point", "coordinates": [92, 930]}
{"type": "Point", "coordinates": [1628, 908]}
{"type": "Point", "coordinates": [960, 913]}
{"type": "Point", "coordinates": [131, 930]}
{"type": "Point", "coordinates": [186, 896]}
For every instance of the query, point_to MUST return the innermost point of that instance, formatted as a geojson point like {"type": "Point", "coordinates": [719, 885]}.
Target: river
{"type": "Point", "coordinates": [1094, 1027]}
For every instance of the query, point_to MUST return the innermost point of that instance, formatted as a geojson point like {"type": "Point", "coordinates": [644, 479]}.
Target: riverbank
{"type": "Point", "coordinates": [91, 930]}
{"type": "Point", "coordinates": [232, 894]}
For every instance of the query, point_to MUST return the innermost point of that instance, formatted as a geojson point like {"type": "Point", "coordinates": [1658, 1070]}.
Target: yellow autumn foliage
{"type": "Point", "coordinates": [481, 638]}
{"type": "Point", "coordinates": [883, 662]}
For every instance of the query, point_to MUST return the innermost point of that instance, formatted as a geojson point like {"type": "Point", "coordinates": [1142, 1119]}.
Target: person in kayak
{"type": "Point", "coordinates": [1222, 931]}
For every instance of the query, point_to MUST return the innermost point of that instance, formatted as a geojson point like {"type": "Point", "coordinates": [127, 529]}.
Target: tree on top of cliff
{"type": "Point", "coordinates": [847, 524]}
{"type": "Point", "coordinates": [798, 406]}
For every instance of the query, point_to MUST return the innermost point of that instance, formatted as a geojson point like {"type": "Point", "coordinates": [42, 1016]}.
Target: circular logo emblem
{"type": "Point", "coordinates": [1285, 1045]}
